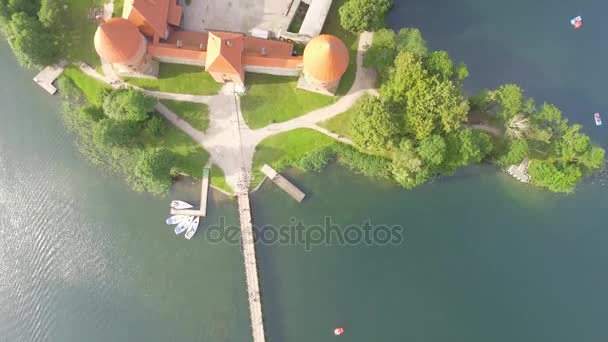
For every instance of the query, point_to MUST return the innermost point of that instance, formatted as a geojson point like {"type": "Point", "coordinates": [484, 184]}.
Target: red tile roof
{"type": "Point", "coordinates": [152, 14]}
{"type": "Point", "coordinates": [326, 58]}
{"type": "Point", "coordinates": [117, 40]}
{"type": "Point", "coordinates": [224, 53]}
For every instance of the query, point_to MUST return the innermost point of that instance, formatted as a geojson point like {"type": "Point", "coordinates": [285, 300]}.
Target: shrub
{"type": "Point", "coordinates": [368, 165]}
{"type": "Point", "coordinates": [91, 113]}
{"type": "Point", "coordinates": [155, 126]}
{"type": "Point", "coordinates": [153, 170]}
{"type": "Point", "coordinates": [316, 160]}
{"type": "Point", "coordinates": [364, 15]}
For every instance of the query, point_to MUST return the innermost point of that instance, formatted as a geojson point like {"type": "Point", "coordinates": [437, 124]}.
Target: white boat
{"type": "Point", "coordinates": [192, 228]}
{"type": "Point", "coordinates": [183, 225]}
{"type": "Point", "coordinates": [175, 219]}
{"type": "Point", "coordinates": [181, 205]}
{"type": "Point", "coordinates": [598, 119]}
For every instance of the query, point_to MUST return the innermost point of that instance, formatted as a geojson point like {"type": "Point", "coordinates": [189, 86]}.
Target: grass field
{"type": "Point", "coordinates": [286, 146]}
{"type": "Point", "coordinates": [340, 124]}
{"type": "Point", "coordinates": [91, 87]}
{"type": "Point", "coordinates": [77, 38]}
{"type": "Point", "coordinates": [182, 79]}
{"type": "Point", "coordinates": [271, 99]}
{"type": "Point", "coordinates": [196, 114]}
{"type": "Point", "coordinates": [218, 180]}
{"type": "Point", "coordinates": [332, 26]}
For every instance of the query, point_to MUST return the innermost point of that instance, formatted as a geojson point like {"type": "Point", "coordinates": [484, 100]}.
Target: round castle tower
{"type": "Point", "coordinates": [325, 61]}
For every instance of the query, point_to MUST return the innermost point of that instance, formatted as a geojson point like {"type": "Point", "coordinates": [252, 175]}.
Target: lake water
{"type": "Point", "coordinates": [483, 257]}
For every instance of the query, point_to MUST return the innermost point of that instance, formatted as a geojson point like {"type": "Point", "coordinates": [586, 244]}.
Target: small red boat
{"type": "Point", "coordinates": [338, 331]}
{"type": "Point", "coordinates": [577, 22]}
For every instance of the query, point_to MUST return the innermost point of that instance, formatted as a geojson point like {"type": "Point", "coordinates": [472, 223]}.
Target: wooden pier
{"type": "Point", "coordinates": [283, 183]}
{"type": "Point", "coordinates": [48, 75]}
{"type": "Point", "coordinates": [202, 211]}
{"type": "Point", "coordinates": [251, 268]}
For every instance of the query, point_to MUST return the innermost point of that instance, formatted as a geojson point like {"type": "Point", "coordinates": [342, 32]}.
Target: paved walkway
{"type": "Point", "coordinates": [229, 141]}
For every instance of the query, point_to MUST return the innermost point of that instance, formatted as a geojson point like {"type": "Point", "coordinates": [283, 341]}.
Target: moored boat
{"type": "Point", "coordinates": [175, 219]}
{"type": "Point", "coordinates": [180, 205]}
{"type": "Point", "coordinates": [598, 119]}
{"type": "Point", "coordinates": [192, 228]}
{"type": "Point", "coordinates": [183, 225]}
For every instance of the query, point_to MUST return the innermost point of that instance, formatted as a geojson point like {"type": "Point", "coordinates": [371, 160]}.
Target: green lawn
{"type": "Point", "coordinates": [91, 87]}
{"type": "Point", "coordinates": [291, 145]}
{"type": "Point", "coordinates": [332, 26]}
{"type": "Point", "coordinates": [271, 98]}
{"type": "Point", "coordinates": [182, 79]}
{"type": "Point", "coordinates": [196, 114]}
{"type": "Point", "coordinates": [118, 5]}
{"type": "Point", "coordinates": [340, 124]}
{"type": "Point", "coordinates": [218, 180]}
{"type": "Point", "coordinates": [77, 38]}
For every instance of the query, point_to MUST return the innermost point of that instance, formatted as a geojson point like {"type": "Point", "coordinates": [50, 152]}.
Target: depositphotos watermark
{"type": "Point", "coordinates": [299, 234]}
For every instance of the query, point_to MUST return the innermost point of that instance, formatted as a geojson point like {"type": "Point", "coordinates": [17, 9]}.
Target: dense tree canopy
{"type": "Point", "coordinates": [386, 45]}
{"type": "Point", "coordinates": [30, 7]}
{"type": "Point", "coordinates": [32, 43]}
{"type": "Point", "coordinates": [127, 105]}
{"type": "Point", "coordinates": [364, 15]}
{"type": "Point", "coordinates": [50, 13]}
{"type": "Point", "coordinates": [374, 126]}
{"type": "Point", "coordinates": [110, 132]}
{"type": "Point", "coordinates": [153, 170]}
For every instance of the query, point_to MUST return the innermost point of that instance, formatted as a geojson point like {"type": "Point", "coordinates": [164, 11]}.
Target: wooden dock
{"type": "Point", "coordinates": [48, 75]}
{"type": "Point", "coordinates": [251, 268]}
{"type": "Point", "coordinates": [520, 172]}
{"type": "Point", "coordinates": [283, 183]}
{"type": "Point", "coordinates": [202, 211]}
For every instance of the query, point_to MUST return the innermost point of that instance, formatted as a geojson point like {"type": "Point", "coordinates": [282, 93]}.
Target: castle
{"type": "Point", "coordinates": [149, 32]}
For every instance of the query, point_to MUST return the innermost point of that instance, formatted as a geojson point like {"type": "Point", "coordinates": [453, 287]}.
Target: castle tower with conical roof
{"type": "Point", "coordinates": [119, 43]}
{"type": "Point", "coordinates": [325, 61]}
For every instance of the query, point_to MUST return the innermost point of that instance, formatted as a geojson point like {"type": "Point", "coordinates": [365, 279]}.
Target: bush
{"type": "Point", "coordinates": [127, 105]}
{"type": "Point", "coordinates": [368, 165]}
{"type": "Point", "coordinates": [91, 113]}
{"type": "Point", "coordinates": [316, 160]}
{"type": "Point", "coordinates": [364, 15]}
{"type": "Point", "coordinates": [69, 90]}
{"type": "Point", "coordinates": [155, 126]}
{"type": "Point", "coordinates": [153, 171]}
{"type": "Point", "coordinates": [110, 132]}
{"type": "Point", "coordinates": [50, 14]}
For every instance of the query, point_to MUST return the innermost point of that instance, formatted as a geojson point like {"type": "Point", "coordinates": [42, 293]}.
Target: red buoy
{"type": "Point", "coordinates": [338, 331]}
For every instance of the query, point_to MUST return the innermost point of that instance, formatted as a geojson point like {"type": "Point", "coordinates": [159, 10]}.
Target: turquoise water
{"type": "Point", "coordinates": [483, 258]}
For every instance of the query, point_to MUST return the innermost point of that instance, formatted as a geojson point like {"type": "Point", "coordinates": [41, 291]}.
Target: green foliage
{"type": "Point", "coordinates": [386, 45]}
{"type": "Point", "coordinates": [517, 150]}
{"type": "Point", "coordinates": [405, 73]}
{"type": "Point", "coordinates": [432, 150]}
{"type": "Point", "coordinates": [153, 170]}
{"type": "Point", "coordinates": [374, 127]}
{"type": "Point", "coordinates": [69, 90]}
{"type": "Point", "coordinates": [29, 7]}
{"type": "Point", "coordinates": [366, 164]}
{"type": "Point", "coordinates": [407, 167]}
{"type": "Point", "coordinates": [110, 132]}
{"type": "Point", "coordinates": [464, 147]}
{"type": "Point", "coordinates": [364, 15]}
{"type": "Point", "coordinates": [127, 105]}
{"type": "Point", "coordinates": [439, 63]}
{"type": "Point", "coordinates": [51, 13]}
{"type": "Point", "coordinates": [155, 126]}
{"type": "Point", "coordinates": [91, 113]}
{"type": "Point", "coordinates": [32, 43]}
{"type": "Point", "coordinates": [510, 98]}
{"type": "Point", "coordinates": [576, 147]}
{"type": "Point", "coordinates": [550, 175]}
{"type": "Point", "coordinates": [316, 160]}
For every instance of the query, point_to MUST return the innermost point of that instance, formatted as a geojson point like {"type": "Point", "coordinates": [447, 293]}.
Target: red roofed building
{"type": "Point", "coordinates": [149, 33]}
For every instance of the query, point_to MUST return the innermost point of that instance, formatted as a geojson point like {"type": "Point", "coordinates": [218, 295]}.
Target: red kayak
{"type": "Point", "coordinates": [338, 331]}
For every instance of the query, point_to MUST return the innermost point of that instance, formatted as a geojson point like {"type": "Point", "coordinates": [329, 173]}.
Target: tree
{"type": "Point", "coordinates": [549, 117]}
{"type": "Point", "coordinates": [510, 98]}
{"type": "Point", "coordinates": [517, 150]}
{"type": "Point", "coordinates": [381, 54]}
{"type": "Point", "coordinates": [464, 147]}
{"type": "Point", "coordinates": [32, 43]}
{"type": "Point", "coordinates": [432, 150]}
{"type": "Point", "coordinates": [407, 168]}
{"type": "Point", "coordinates": [91, 113]}
{"type": "Point", "coordinates": [410, 40]}
{"type": "Point", "coordinates": [29, 7]}
{"type": "Point", "coordinates": [374, 126]}
{"type": "Point", "coordinates": [364, 15]}
{"type": "Point", "coordinates": [439, 63]}
{"type": "Point", "coordinates": [405, 73]}
{"type": "Point", "coordinates": [50, 14]}
{"type": "Point", "coordinates": [110, 132]}
{"type": "Point", "coordinates": [127, 105]}
{"type": "Point", "coordinates": [549, 175]}
{"type": "Point", "coordinates": [152, 171]}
